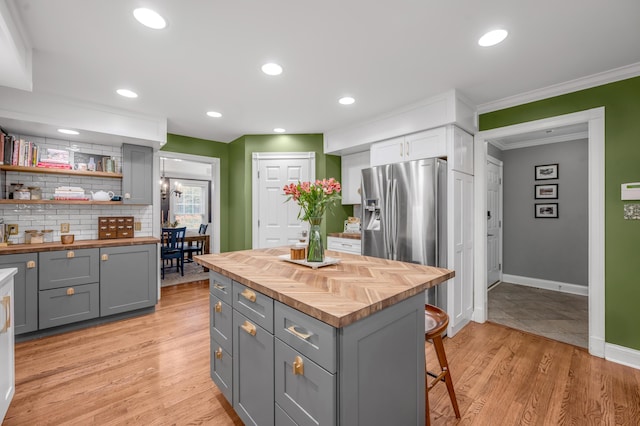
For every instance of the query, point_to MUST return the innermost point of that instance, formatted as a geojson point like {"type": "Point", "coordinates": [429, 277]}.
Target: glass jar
{"type": "Point", "coordinates": [32, 236]}
{"type": "Point", "coordinates": [48, 235]}
{"type": "Point", "coordinates": [36, 192]}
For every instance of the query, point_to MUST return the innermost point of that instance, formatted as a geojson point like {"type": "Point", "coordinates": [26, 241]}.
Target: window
{"type": "Point", "coordinates": [191, 208]}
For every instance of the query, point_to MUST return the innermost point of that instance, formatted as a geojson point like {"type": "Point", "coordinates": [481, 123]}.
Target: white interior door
{"type": "Point", "coordinates": [276, 221]}
{"type": "Point", "coordinates": [494, 221]}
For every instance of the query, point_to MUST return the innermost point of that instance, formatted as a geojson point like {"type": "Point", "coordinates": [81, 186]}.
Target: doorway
{"type": "Point", "coordinates": [494, 221]}
{"type": "Point", "coordinates": [275, 221]}
{"type": "Point", "coordinates": [594, 120]}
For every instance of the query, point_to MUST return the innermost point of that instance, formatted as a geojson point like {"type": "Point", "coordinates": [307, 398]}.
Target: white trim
{"type": "Point", "coordinates": [580, 290]}
{"type": "Point", "coordinates": [214, 244]}
{"type": "Point", "coordinates": [255, 166]}
{"type": "Point", "coordinates": [595, 119]}
{"type": "Point", "coordinates": [543, 141]}
{"type": "Point", "coordinates": [622, 355]}
{"type": "Point", "coordinates": [500, 164]}
{"type": "Point", "coordinates": [610, 76]}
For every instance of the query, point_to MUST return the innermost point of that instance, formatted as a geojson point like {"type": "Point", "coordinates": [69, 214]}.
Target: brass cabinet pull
{"type": "Point", "coordinates": [71, 254]}
{"type": "Point", "coordinates": [249, 295]}
{"type": "Point", "coordinates": [31, 264]}
{"type": "Point", "coordinates": [219, 353]}
{"type": "Point", "coordinates": [218, 306]}
{"type": "Point", "coordinates": [219, 287]}
{"type": "Point", "coordinates": [401, 147]}
{"type": "Point", "coordinates": [303, 336]}
{"type": "Point", "coordinates": [249, 328]}
{"type": "Point", "coordinates": [298, 366]}
{"type": "Point", "coordinates": [6, 302]}
{"type": "Point", "coordinates": [70, 291]}
{"type": "Point", "coordinates": [105, 257]}
{"type": "Point", "coordinates": [406, 151]}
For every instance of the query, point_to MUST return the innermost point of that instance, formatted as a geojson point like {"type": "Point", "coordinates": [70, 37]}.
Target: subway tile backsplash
{"type": "Point", "coordinates": [83, 219]}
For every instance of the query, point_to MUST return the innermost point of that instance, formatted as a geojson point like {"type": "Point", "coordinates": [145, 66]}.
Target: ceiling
{"type": "Point", "coordinates": [386, 54]}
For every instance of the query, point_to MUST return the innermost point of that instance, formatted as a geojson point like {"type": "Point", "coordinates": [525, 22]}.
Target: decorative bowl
{"type": "Point", "coordinates": [66, 239]}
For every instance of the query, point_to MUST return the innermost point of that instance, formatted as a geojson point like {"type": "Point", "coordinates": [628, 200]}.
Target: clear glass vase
{"type": "Point", "coordinates": [315, 250]}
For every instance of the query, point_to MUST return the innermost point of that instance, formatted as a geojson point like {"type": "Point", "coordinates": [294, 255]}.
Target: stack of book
{"type": "Point", "coordinates": [17, 152]}
{"type": "Point", "coordinates": [54, 159]}
{"type": "Point", "coordinates": [69, 193]}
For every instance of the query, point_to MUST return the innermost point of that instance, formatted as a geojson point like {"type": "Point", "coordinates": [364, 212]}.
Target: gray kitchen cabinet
{"type": "Point", "coordinates": [70, 304]}
{"type": "Point", "coordinates": [253, 378]}
{"type": "Point", "coordinates": [222, 370]}
{"type": "Point", "coordinates": [25, 287]}
{"type": "Point", "coordinates": [128, 279]}
{"type": "Point", "coordinates": [137, 174]}
{"type": "Point", "coordinates": [66, 268]}
{"type": "Point", "coordinates": [220, 320]}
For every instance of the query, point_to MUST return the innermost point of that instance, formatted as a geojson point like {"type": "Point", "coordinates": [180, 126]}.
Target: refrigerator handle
{"type": "Point", "coordinates": [386, 220]}
{"type": "Point", "coordinates": [394, 212]}
{"type": "Point", "coordinates": [437, 213]}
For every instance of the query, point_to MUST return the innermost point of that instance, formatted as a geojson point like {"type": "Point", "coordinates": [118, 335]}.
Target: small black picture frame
{"type": "Point", "coordinates": [546, 192]}
{"type": "Point", "coordinates": [547, 171]}
{"type": "Point", "coordinates": [546, 211]}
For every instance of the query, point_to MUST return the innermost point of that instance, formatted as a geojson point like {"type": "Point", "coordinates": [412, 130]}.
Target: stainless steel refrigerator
{"type": "Point", "coordinates": [404, 213]}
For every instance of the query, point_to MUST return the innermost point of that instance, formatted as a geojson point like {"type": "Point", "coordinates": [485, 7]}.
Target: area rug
{"type": "Point", "coordinates": [192, 272]}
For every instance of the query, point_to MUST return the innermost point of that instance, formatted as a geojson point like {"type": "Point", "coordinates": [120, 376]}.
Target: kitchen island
{"type": "Point", "coordinates": [342, 344]}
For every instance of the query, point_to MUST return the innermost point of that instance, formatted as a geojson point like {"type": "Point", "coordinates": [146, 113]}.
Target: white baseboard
{"type": "Point", "coordinates": [547, 284]}
{"type": "Point", "coordinates": [622, 355]}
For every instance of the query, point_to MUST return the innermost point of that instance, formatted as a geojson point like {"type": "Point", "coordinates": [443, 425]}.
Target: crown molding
{"type": "Point", "coordinates": [616, 74]}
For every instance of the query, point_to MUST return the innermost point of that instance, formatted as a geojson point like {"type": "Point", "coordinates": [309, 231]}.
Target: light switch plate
{"type": "Point", "coordinates": [12, 229]}
{"type": "Point", "coordinates": [64, 227]}
{"type": "Point", "coordinates": [137, 226]}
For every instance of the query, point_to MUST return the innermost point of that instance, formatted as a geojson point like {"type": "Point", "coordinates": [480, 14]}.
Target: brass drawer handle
{"type": "Point", "coordinates": [249, 295]}
{"type": "Point", "coordinates": [298, 366]}
{"type": "Point", "coordinates": [249, 328]}
{"type": "Point", "coordinates": [31, 264]}
{"type": "Point", "coordinates": [70, 291]}
{"type": "Point", "coordinates": [6, 302]}
{"type": "Point", "coordinates": [71, 254]}
{"type": "Point", "coordinates": [219, 287]}
{"type": "Point", "coordinates": [303, 336]}
{"type": "Point", "coordinates": [218, 306]}
{"type": "Point", "coordinates": [219, 353]}
{"type": "Point", "coordinates": [105, 257]}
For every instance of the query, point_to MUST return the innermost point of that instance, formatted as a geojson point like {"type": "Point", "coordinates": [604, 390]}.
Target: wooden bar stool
{"type": "Point", "coordinates": [435, 323]}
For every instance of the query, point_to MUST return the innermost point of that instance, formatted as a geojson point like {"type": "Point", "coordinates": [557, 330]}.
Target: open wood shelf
{"type": "Point", "coordinates": [111, 203]}
{"type": "Point", "coordinates": [47, 170]}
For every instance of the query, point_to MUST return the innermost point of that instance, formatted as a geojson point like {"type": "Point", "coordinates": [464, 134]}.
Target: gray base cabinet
{"type": "Point", "coordinates": [25, 290]}
{"type": "Point", "coordinates": [292, 369]}
{"type": "Point", "coordinates": [127, 278]}
{"type": "Point", "coordinates": [66, 305]}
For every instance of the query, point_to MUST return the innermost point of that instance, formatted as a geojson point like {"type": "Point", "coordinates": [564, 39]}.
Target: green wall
{"type": "Point", "coordinates": [195, 146]}
{"type": "Point", "coordinates": [241, 151]}
{"type": "Point", "coordinates": [621, 101]}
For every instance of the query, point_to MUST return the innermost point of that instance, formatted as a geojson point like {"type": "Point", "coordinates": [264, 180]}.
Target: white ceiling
{"type": "Point", "coordinates": [385, 53]}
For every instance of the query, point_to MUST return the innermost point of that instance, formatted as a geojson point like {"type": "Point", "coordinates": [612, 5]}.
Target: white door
{"type": "Point", "coordinates": [494, 221]}
{"type": "Point", "coordinates": [276, 221]}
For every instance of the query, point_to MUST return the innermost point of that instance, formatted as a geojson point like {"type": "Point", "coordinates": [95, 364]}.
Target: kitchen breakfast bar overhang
{"type": "Point", "coordinates": [341, 344]}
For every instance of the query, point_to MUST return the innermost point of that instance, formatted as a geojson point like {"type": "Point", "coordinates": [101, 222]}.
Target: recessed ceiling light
{"type": "Point", "coordinates": [68, 132]}
{"type": "Point", "coordinates": [127, 93]}
{"type": "Point", "coordinates": [492, 38]}
{"type": "Point", "coordinates": [214, 114]}
{"type": "Point", "coordinates": [149, 18]}
{"type": "Point", "coordinates": [279, 130]}
{"type": "Point", "coordinates": [347, 100]}
{"type": "Point", "coordinates": [177, 159]}
{"type": "Point", "coordinates": [272, 69]}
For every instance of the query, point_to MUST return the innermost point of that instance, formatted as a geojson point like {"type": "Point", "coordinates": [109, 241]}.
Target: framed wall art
{"type": "Point", "coordinates": [546, 191]}
{"type": "Point", "coordinates": [548, 171]}
{"type": "Point", "coordinates": [546, 211]}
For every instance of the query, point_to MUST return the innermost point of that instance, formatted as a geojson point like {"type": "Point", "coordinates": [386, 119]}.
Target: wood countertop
{"type": "Point", "coordinates": [351, 235]}
{"type": "Point", "coordinates": [338, 294]}
{"type": "Point", "coordinates": [76, 245]}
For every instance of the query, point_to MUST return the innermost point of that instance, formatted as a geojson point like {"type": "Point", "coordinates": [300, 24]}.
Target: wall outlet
{"type": "Point", "coordinates": [137, 226]}
{"type": "Point", "coordinates": [12, 229]}
{"type": "Point", "coordinates": [64, 227]}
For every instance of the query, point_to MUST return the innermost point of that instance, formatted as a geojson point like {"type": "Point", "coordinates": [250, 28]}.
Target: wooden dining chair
{"type": "Point", "coordinates": [198, 247]}
{"type": "Point", "coordinates": [173, 248]}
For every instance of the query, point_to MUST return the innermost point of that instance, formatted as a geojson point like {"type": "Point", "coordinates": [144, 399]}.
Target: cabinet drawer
{"type": "Point", "coordinates": [125, 231]}
{"type": "Point", "coordinates": [107, 234]}
{"type": "Point", "coordinates": [221, 368]}
{"type": "Point", "coordinates": [346, 245]}
{"type": "Point", "coordinates": [221, 322]}
{"type": "Point", "coordinates": [220, 286]}
{"type": "Point", "coordinates": [309, 336]}
{"type": "Point", "coordinates": [64, 268]}
{"type": "Point", "coordinates": [254, 305]}
{"type": "Point", "coordinates": [70, 304]}
{"type": "Point", "coordinates": [307, 395]}
{"type": "Point", "coordinates": [282, 418]}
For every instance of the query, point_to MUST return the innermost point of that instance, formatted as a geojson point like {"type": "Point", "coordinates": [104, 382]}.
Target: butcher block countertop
{"type": "Point", "coordinates": [76, 245]}
{"type": "Point", "coordinates": [351, 235]}
{"type": "Point", "coordinates": [337, 294]}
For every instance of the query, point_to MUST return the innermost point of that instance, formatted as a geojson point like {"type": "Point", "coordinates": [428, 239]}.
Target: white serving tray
{"type": "Point", "coordinates": [313, 265]}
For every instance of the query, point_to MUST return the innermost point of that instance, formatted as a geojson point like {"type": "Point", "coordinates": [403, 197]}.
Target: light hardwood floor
{"type": "Point", "coordinates": [154, 370]}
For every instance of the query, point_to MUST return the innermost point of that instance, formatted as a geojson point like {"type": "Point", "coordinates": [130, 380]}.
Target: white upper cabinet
{"type": "Point", "coordinates": [387, 152]}
{"type": "Point", "coordinates": [352, 166]}
{"type": "Point", "coordinates": [427, 144]}
{"type": "Point", "coordinates": [461, 150]}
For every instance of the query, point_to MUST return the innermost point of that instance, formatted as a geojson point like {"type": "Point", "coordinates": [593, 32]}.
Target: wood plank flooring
{"type": "Point", "coordinates": [154, 370]}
